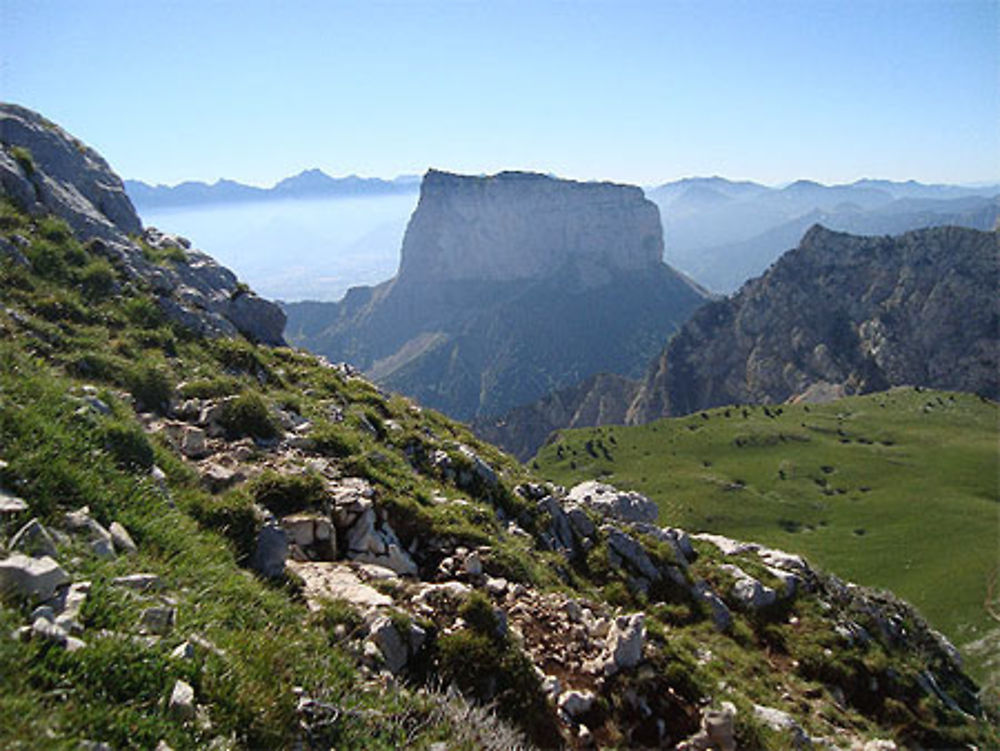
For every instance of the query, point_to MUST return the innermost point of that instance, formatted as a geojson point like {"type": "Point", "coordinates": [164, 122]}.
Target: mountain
{"type": "Point", "coordinates": [212, 542]}
{"type": "Point", "coordinates": [838, 315]}
{"type": "Point", "coordinates": [844, 314]}
{"type": "Point", "coordinates": [722, 233]}
{"type": "Point", "coordinates": [312, 183]}
{"type": "Point", "coordinates": [509, 286]}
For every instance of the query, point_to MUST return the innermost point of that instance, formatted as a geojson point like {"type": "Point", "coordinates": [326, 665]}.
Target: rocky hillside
{"type": "Point", "coordinates": [206, 542]}
{"type": "Point", "coordinates": [509, 287]}
{"type": "Point", "coordinates": [44, 170]}
{"type": "Point", "coordinates": [839, 315]}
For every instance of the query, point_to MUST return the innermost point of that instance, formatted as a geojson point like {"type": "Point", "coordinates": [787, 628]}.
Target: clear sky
{"type": "Point", "coordinates": [641, 92]}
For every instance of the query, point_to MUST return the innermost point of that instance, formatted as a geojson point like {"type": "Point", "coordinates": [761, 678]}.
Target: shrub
{"type": "Point", "coordinates": [335, 439]}
{"type": "Point", "coordinates": [128, 445]}
{"type": "Point", "coordinates": [151, 387]}
{"type": "Point", "coordinates": [233, 516]}
{"type": "Point", "coordinates": [143, 312]}
{"type": "Point", "coordinates": [210, 388]}
{"type": "Point", "coordinates": [477, 611]}
{"type": "Point", "coordinates": [97, 279]}
{"type": "Point", "coordinates": [23, 157]}
{"type": "Point", "coordinates": [248, 415]}
{"type": "Point", "coordinates": [286, 494]}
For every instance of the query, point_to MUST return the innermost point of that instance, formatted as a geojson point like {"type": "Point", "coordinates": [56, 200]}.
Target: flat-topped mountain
{"type": "Point", "coordinates": [509, 287]}
{"type": "Point", "coordinates": [841, 314]}
{"type": "Point", "coordinates": [520, 225]}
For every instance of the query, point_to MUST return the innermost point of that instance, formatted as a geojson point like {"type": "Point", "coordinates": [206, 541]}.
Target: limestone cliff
{"type": "Point", "coordinates": [841, 314]}
{"type": "Point", "coordinates": [509, 287]}
{"type": "Point", "coordinates": [43, 169]}
{"type": "Point", "coordinates": [519, 225]}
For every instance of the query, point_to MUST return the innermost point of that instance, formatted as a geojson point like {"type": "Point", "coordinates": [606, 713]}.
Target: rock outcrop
{"type": "Point", "coordinates": [43, 169]}
{"type": "Point", "coordinates": [841, 314]}
{"type": "Point", "coordinates": [509, 286]}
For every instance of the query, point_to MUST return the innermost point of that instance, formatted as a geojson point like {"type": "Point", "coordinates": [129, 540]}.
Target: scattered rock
{"type": "Point", "coordinates": [716, 732]}
{"type": "Point", "coordinates": [575, 703]}
{"type": "Point", "coordinates": [141, 582]}
{"type": "Point", "coordinates": [158, 620]}
{"type": "Point", "coordinates": [34, 539]}
{"type": "Point", "coordinates": [122, 539]}
{"type": "Point", "coordinates": [24, 576]}
{"type": "Point", "coordinates": [625, 641]}
{"type": "Point", "coordinates": [271, 551]}
{"type": "Point", "coordinates": [181, 703]}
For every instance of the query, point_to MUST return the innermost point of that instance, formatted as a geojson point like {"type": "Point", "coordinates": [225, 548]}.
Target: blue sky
{"type": "Point", "coordinates": [641, 92]}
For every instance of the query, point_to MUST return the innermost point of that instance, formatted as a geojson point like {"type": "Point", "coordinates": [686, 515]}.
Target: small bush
{"type": "Point", "coordinates": [143, 312]}
{"type": "Point", "coordinates": [335, 439]}
{"type": "Point", "coordinates": [248, 415]}
{"type": "Point", "coordinates": [128, 445]}
{"type": "Point", "coordinates": [151, 387]}
{"type": "Point", "coordinates": [233, 516]}
{"type": "Point", "coordinates": [97, 279]}
{"type": "Point", "coordinates": [24, 158]}
{"type": "Point", "coordinates": [211, 388]}
{"type": "Point", "coordinates": [286, 494]}
{"type": "Point", "coordinates": [477, 611]}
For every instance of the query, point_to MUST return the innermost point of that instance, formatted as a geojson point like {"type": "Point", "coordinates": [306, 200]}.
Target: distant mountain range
{"type": "Point", "coordinates": [722, 233]}
{"type": "Point", "coordinates": [312, 183]}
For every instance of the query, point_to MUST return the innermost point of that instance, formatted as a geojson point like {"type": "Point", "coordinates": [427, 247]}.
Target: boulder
{"type": "Point", "coordinates": [623, 548]}
{"type": "Point", "coordinates": [271, 551]}
{"type": "Point", "coordinates": [181, 703]}
{"type": "Point", "coordinates": [11, 504]}
{"type": "Point", "coordinates": [45, 629]}
{"type": "Point", "coordinates": [81, 522]}
{"type": "Point", "coordinates": [748, 593]}
{"type": "Point", "coordinates": [397, 648]}
{"type": "Point", "coordinates": [368, 542]}
{"type": "Point", "coordinates": [33, 539]}
{"type": "Point", "coordinates": [24, 576]}
{"type": "Point", "coordinates": [157, 620]}
{"type": "Point", "coordinates": [721, 617]}
{"type": "Point", "coordinates": [783, 723]}
{"type": "Point", "coordinates": [625, 642]}
{"type": "Point", "coordinates": [122, 539]}
{"type": "Point", "coordinates": [575, 703]}
{"type": "Point", "coordinates": [612, 503]}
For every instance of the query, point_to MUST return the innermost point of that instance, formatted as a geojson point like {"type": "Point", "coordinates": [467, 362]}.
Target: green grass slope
{"type": "Point", "coordinates": [896, 490]}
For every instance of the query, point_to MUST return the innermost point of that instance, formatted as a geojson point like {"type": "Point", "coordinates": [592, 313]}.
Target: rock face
{"type": "Point", "coordinates": [519, 225]}
{"type": "Point", "coordinates": [45, 170]}
{"type": "Point", "coordinates": [602, 399]}
{"type": "Point", "coordinates": [841, 314]}
{"type": "Point", "coordinates": [509, 287]}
